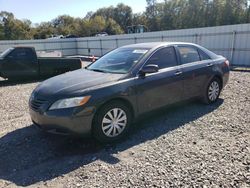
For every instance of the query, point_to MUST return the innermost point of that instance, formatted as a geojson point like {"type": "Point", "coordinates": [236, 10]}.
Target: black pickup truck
{"type": "Point", "coordinates": [19, 62]}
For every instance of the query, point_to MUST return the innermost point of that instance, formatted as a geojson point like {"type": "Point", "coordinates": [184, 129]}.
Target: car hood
{"type": "Point", "coordinates": [74, 83]}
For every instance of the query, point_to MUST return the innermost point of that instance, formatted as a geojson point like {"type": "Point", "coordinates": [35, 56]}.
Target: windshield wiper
{"type": "Point", "coordinates": [96, 70]}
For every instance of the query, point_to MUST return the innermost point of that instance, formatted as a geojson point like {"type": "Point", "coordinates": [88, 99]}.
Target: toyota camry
{"type": "Point", "coordinates": [104, 98]}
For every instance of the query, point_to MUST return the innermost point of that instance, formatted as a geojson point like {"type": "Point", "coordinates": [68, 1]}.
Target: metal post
{"type": "Point", "coordinates": [61, 47]}
{"type": "Point", "coordinates": [116, 41]}
{"type": "Point", "coordinates": [76, 46]}
{"type": "Point", "coordinates": [196, 38]}
{"type": "Point", "coordinates": [233, 46]}
{"type": "Point", "coordinates": [44, 46]}
{"type": "Point", "coordinates": [101, 47]}
{"type": "Point", "coordinates": [88, 48]}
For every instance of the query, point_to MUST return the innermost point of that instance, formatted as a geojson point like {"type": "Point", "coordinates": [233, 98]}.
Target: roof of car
{"type": "Point", "coordinates": [150, 45]}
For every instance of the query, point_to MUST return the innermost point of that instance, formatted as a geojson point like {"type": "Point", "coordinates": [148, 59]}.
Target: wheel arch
{"type": "Point", "coordinates": [219, 77]}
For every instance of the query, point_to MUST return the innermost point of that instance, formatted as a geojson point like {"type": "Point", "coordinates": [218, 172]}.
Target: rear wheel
{"type": "Point", "coordinates": [112, 122]}
{"type": "Point", "coordinates": [212, 92]}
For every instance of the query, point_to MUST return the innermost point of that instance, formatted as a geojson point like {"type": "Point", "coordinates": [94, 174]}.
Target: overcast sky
{"type": "Point", "coordinates": [46, 10]}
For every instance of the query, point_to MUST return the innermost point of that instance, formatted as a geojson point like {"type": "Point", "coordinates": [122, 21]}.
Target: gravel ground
{"type": "Point", "coordinates": [186, 145]}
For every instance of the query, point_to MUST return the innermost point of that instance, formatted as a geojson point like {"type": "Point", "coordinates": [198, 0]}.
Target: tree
{"type": "Point", "coordinates": [106, 12]}
{"type": "Point", "coordinates": [139, 19]}
{"type": "Point", "coordinates": [65, 25]}
{"type": "Point", "coordinates": [12, 28]}
{"type": "Point", "coordinates": [1, 32]}
{"type": "Point", "coordinates": [112, 28]}
{"type": "Point", "coordinates": [167, 15]}
{"type": "Point", "coordinates": [152, 14]}
{"type": "Point", "coordinates": [98, 24]}
{"type": "Point", "coordinates": [44, 30]}
{"type": "Point", "coordinates": [123, 16]}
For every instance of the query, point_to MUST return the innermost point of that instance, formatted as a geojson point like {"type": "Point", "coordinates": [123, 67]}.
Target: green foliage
{"type": "Point", "coordinates": [112, 27]}
{"type": "Point", "coordinates": [11, 28]}
{"type": "Point", "coordinates": [170, 14]}
{"type": "Point", "coordinates": [122, 14]}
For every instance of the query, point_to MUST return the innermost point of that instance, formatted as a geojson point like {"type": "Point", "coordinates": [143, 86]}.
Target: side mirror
{"type": "Point", "coordinates": [151, 68]}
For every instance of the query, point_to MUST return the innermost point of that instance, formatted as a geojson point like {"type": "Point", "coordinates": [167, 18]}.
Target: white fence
{"type": "Point", "coordinates": [66, 46]}
{"type": "Point", "coordinates": [232, 41]}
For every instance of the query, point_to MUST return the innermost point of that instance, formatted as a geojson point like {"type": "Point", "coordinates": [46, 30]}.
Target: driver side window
{"type": "Point", "coordinates": [164, 58]}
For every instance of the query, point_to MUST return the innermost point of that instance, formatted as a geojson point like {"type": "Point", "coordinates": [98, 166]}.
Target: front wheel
{"type": "Point", "coordinates": [212, 92]}
{"type": "Point", "coordinates": [112, 122]}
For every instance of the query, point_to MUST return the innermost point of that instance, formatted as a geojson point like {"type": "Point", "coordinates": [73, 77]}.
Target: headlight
{"type": "Point", "coordinates": [70, 102]}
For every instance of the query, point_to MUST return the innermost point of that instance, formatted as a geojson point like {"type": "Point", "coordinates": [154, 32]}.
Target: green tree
{"type": "Point", "coordinates": [123, 15]}
{"type": "Point", "coordinates": [12, 28]}
{"type": "Point", "coordinates": [106, 12]}
{"type": "Point", "coordinates": [170, 14]}
{"type": "Point", "coordinates": [112, 28]}
{"type": "Point", "coordinates": [98, 24]}
{"type": "Point", "coordinates": [65, 25]}
{"type": "Point", "coordinates": [139, 19]}
{"type": "Point", "coordinates": [153, 15]}
{"type": "Point", "coordinates": [44, 30]}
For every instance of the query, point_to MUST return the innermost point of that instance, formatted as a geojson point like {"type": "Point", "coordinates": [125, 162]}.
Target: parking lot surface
{"type": "Point", "coordinates": [188, 144]}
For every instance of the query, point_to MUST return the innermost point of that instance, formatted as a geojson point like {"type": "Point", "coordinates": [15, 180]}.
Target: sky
{"type": "Point", "coordinates": [46, 10]}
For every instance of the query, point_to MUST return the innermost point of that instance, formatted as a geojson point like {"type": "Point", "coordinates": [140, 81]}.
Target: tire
{"type": "Point", "coordinates": [212, 91]}
{"type": "Point", "coordinates": [107, 130]}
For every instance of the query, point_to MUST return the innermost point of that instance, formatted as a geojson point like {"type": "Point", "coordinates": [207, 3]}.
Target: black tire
{"type": "Point", "coordinates": [98, 123]}
{"type": "Point", "coordinates": [207, 96]}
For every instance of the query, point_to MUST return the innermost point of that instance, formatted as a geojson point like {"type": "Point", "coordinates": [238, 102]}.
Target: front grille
{"type": "Point", "coordinates": [36, 104]}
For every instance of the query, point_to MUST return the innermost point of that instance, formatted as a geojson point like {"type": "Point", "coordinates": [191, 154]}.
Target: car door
{"type": "Point", "coordinates": [196, 66]}
{"type": "Point", "coordinates": [164, 87]}
{"type": "Point", "coordinates": [21, 62]}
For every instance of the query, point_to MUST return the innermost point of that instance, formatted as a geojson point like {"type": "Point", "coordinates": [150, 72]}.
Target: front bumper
{"type": "Point", "coordinates": [64, 121]}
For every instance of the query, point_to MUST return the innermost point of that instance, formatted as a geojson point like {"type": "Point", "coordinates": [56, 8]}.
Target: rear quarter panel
{"type": "Point", "coordinates": [220, 70]}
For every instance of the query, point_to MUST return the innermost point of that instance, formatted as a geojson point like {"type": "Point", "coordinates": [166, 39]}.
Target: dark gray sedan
{"type": "Point", "coordinates": [104, 98]}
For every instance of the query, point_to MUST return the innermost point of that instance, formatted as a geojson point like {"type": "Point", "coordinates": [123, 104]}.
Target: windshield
{"type": "Point", "coordinates": [6, 52]}
{"type": "Point", "coordinates": [118, 61]}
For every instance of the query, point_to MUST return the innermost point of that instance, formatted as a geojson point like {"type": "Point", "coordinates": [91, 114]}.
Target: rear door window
{"type": "Point", "coordinates": [203, 55]}
{"type": "Point", "coordinates": [164, 58]}
{"type": "Point", "coordinates": [188, 54]}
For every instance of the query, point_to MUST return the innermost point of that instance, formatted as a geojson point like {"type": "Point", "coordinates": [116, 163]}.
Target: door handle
{"type": "Point", "coordinates": [177, 73]}
{"type": "Point", "coordinates": [209, 64]}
